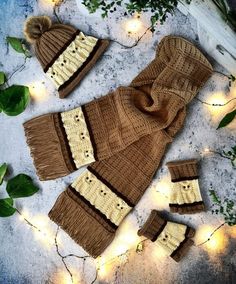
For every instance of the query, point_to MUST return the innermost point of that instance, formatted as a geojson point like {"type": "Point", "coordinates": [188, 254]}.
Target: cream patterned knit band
{"type": "Point", "coordinates": [101, 197]}
{"type": "Point", "coordinates": [71, 59]}
{"type": "Point", "coordinates": [78, 137]}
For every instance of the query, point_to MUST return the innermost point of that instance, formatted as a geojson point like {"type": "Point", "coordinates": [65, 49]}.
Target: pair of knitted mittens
{"type": "Point", "coordinates": [185, 198]}
{"type": "Point", "coordinates": [174, 238]}
{"type": "Point", "coordinates": [123, 136]}
{"type": "Point", "coordinates": [65, 53]}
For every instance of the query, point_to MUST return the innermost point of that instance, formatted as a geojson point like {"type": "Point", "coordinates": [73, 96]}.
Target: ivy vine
{"type": "Point", "coordinates": [226, 207]}
{"type": "Point", "coordinates": [159, 9]}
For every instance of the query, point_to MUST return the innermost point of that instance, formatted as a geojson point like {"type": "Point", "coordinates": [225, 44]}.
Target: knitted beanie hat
{"type": "Point", "coordinates": [123, 136]}
{"type": "Point", "coordinates": [65, 53]}
{"type": "Point", "coordinates": [174, 238]}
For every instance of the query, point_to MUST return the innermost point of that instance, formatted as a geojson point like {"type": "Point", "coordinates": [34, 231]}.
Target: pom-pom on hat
{"type": "Point", "coordinates": [65, 53]}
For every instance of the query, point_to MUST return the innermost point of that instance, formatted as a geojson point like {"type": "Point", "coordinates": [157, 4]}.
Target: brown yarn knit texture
{"type": "Point", "coordinates": [185, 169]}
{"type": "Point", "coordinates": [130, 129]}
{"type": "Point", "coordinates": [153, 226]}
{"type": "Point", "coordinates": [50, 40]}
{"type": "Point", "coordinates": [152, 100]}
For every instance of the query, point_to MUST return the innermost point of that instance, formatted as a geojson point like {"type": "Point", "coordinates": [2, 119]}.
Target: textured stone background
{"type": "Point", "coordinates": [26, 257]}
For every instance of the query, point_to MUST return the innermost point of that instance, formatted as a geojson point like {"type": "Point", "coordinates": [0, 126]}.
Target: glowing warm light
{"type": "Point", "coordinates": [121, 248]}
{"type": "Point", "coordinates": [102, 267]}
{"type": "Point", "coordinates": [157, 252]}
{"type": "Point", "coordinates": [51, 2]}
{"type": "Point", "coordinates": [128, 235]}
{"type": "Point", "coordinates": [38, 91]}
{"type": "Point", "coordinates": [232, 231]}
{"type": "Point", "coordinates": [133, 25]}
{"type": "Point", "coordinates": [216, 243]}
{"type": "Point", "coordinates": [163, 186]}
{"type": "Point", "coordinates": [63, 277]}
{"type": "Point", "coordinates": [206, 150]}
{"type": "Point", "coordinates": [159, 193]}
{"type": "Point", "coordinates": [218, 99]}
{"type": "Point", "coordinates": [43, 232]}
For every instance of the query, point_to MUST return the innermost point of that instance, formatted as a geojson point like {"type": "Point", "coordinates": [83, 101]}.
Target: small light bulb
{"type": "Point", "coordinates": [133, 25]}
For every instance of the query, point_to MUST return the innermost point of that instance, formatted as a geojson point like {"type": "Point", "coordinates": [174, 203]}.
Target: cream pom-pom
{"type": "Point", "coordinates": [35, 26]}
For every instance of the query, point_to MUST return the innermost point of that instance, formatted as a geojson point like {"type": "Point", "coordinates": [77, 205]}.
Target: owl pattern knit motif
{"type": "Point", "coordinates": [187, 191]}
{"type": "Point", "coordinates": [78, 137]}
{"type": "Point", "coordinates": [101, 197]}
{"type": "Point", "coordinates": [71, 59]}
{"type": "Point", "coordinates": [171, 237]}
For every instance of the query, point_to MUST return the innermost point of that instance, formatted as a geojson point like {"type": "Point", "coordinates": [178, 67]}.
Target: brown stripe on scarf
{"type": "Point", "coordinates": [66, 147]}
{"type": "Point", "coordinates": [90, 132]}
{"type": "Point", "coordinates": [114, 226]}
{"type": "Point", "coordinates": [119, 194]}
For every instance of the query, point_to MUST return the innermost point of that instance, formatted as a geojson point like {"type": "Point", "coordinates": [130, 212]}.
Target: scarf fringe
{"type": "Point", "coordinates": [80, 224]}
{"type": "Point", "coordinates": [45, 147]}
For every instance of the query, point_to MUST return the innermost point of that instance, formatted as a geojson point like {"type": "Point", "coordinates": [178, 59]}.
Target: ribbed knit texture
{"type": "Point", "coordinates": [148, 104]}
{"type": "Point", "coordinates": [130, 129]}
{"type": "Point", "coordinates": [153, 226]}
{"type": "Point", "coordinates": [181, 170]}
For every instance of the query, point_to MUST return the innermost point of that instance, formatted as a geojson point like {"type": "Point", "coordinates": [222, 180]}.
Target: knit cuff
{"type": "Point", "coordinates": [173, 238]}
{"type": "Point", "coordinates": [153, 226]}
{"type": "Point", "coordinates": [183, 170]}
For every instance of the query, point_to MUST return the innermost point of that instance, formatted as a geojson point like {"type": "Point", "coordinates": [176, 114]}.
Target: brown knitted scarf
{"type": "Point", "coordinates": [123, 137]}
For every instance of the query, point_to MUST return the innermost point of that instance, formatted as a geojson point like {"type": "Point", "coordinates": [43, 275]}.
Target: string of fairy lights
{"type": "Point", "coordinates": [212, 238]}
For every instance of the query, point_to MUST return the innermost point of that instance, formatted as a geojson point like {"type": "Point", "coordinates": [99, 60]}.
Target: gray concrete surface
{"type": "Point", "coordinates": [27, 257]}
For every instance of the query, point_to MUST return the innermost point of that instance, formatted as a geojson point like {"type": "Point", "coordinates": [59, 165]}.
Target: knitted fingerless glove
{"type": "Point", "coordinates": [185, 196]}
{"type": "Point", "coordinates": [172, 237]}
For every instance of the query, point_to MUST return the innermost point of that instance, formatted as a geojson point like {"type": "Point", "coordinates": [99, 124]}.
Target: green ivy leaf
{"type": "Point", "coordinates": [2, 78]}
{"type": "Point", "coordinates": [3, 170]}
{"type": "Point", "coordinates": [227, 119]}
{"type": "Point", "coordinates": [21, 186]}
{"type": "Point", "coordinates": [14, 99]}
{"type": "Point", "coordinates": [16, 44]}
{"type": "Point", "coordinates": [214, 197]}
{"type": "Point", "coordinates": [6, 207]}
